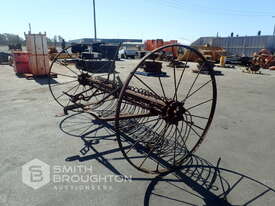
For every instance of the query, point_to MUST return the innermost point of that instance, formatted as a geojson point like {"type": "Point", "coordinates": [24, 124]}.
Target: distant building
{"type": "Point", "coordinates": [241, 46]}
{"type": "Point", "coordinates": [108, 41]}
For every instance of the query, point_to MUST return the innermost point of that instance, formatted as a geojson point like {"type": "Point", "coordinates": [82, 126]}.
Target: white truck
{"type": "Point", "coordinates": [130, 50]}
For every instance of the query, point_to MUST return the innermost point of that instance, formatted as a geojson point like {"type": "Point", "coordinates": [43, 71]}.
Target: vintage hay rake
{"type": "Point", "coordinates": [159, 120]}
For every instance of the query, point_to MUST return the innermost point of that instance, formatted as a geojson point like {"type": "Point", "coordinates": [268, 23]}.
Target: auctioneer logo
{"type": "Point", "coordinates": [36, 174]}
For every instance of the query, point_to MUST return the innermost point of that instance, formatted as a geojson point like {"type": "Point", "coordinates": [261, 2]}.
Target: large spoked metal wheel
{"type": "Point", "coordinates": [71, 85]}
{"type": "Point", "coordinates": [175, 113]}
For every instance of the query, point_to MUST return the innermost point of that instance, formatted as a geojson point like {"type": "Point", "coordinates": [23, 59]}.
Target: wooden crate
{"type": "Point", "coordinates": [36, 43]}
{"type": "Point", "coordinates": [39, 64]}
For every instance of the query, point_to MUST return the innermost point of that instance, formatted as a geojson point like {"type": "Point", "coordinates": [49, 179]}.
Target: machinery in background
{"type": "Point", "coordinates": [91, 57]}
{"type": "Point", "coordinates": [212, 53]}
{"type": "Point", "coordinates": [5, 58]}
{"type": "Point", "coordinates": [85, 51]}
{"type": "Point", "coordinates": [237, 60]}
{"type": "Point", "coordinates": [263, 59]}
{"type": "Point", "coordinates": [17, 47]}
{"type": "Point", "coordinates": [209, 52]}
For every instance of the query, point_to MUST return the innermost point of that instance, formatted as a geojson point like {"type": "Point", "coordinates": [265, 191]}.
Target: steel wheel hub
{"type": "Point", "coordinates": [174, 112]}
{"type": "Point", "coordinates": [82, 78]}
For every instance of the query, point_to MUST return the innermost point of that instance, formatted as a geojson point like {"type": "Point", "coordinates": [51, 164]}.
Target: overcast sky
{"type": "Point", "coordinates": [145, 19]}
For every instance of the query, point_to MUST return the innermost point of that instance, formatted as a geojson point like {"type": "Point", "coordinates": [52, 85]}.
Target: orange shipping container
{"type": "Point", "coordinates": [169, 50]}
{"type": "Point", "coordinates": [159, 43]}
{"type": "Point", "coordinates": [151, 45]}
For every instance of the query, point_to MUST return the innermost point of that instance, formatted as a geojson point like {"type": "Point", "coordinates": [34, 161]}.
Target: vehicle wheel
{"type": "Point", "coordinates": [70, 86]}
{"type": "Point", "coordinates": [179, 109]}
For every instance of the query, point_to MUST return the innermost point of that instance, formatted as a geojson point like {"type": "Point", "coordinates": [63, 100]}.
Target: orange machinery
{"type": "Point", "coordinates": [151, 45]}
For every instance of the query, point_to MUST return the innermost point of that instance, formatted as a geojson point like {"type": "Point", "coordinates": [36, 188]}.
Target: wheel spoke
{"type": "Point", "coordinates": [175, 147]}
{"type": "Point", "coordinates": [199, 88]}
{"type": "Point", "coordinates": [66, 67]}
{"type": "Point", "coordinates": [154, 146]}
{"type": "Point", "coordinates": [65, 75]}
{"type": "Point", "coordinates": [148, 87]}
{"type": "Point", "coordinates": [166, 153]}
{"type": "Point", "coordinates": [199, 104]}
{"type": "Point", "coordinates": [182, 73]}
{"type": "Point", "coordinates": [135, 144]}
{"type": "Point", "coordinates": [151, 120]}
{"type": "Point", "coordinates": [63, 93]}
{"type": "Point", "coordinates": [193, 131]}
{"type": "Point", "coordinates": [175, 84]}
{"type": "Point", "coordinates": [163, 92]}
{"type": "Point", "coordinates": [73, 95]}
{"type": "Point", "coordinates": [192, 123]}
{"type": "Point", "coordinates": [182, 138]}
{"type": "Point", "coordinates": [59, 84]}
{"type": "Point", "coordinates": [196, 116]}
{"type": "Point", "coordinates": [197, 76]}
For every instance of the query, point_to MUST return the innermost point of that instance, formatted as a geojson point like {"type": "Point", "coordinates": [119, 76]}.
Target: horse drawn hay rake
{"type": "Point", "coordinates": [159, 120]}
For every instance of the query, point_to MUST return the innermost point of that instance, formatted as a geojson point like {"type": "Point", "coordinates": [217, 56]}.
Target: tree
{"type": "Point", "coordinates": [55, 40]}
{"type": "Point", "coordinates": [3, 39]}
{"type": "Point", "coordinates": [6, 39]}
{"type": "Point", "coordinates": [60, 38]}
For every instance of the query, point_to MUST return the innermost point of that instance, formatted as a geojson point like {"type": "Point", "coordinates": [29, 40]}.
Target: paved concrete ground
{"type": "Point", "coordinates": [242, 134]}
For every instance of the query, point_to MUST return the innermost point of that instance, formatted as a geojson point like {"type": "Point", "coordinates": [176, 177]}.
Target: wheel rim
{"type": "Point", "coordinates": [171, 137]}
